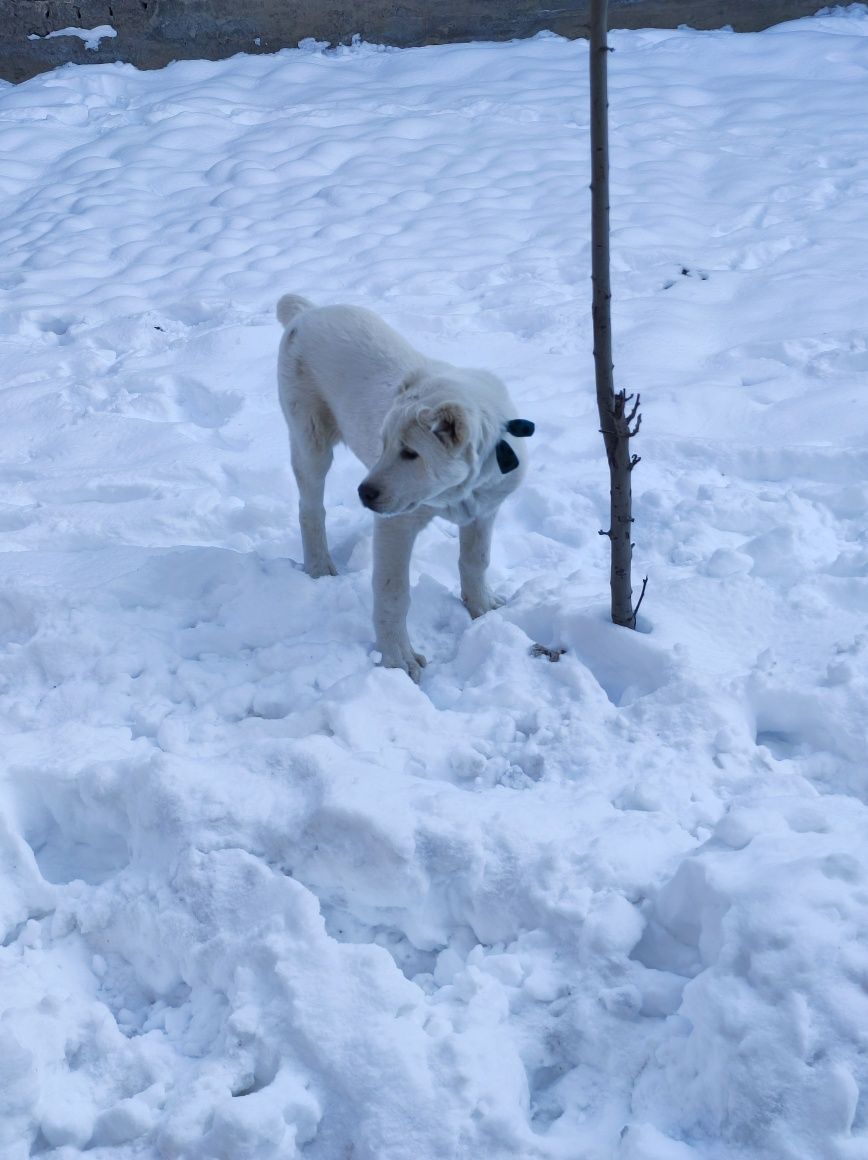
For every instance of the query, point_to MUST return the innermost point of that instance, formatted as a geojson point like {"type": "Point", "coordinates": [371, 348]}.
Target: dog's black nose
{"type": "Point", "coordinates": [368, 494]}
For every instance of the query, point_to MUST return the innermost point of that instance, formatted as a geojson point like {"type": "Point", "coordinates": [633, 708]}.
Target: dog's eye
{"type": "Point", "coordinates": [407, 453]}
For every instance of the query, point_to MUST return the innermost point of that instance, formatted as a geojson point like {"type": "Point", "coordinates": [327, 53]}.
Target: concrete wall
{"type": "Point", "coordinates": [150, 33]}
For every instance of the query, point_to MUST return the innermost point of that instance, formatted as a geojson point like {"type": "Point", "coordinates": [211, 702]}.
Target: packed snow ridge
{"type": "Point", "coordinates": [261, 899]}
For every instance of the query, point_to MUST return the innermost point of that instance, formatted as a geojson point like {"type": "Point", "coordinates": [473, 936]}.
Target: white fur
{"type": "Point", "coordinates": [425, 430]}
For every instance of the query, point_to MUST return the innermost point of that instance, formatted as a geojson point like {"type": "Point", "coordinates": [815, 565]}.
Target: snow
{"type": "Point", "coordinates": [262, 899]}
{"type": "Point", "coordinates": [89, 36]}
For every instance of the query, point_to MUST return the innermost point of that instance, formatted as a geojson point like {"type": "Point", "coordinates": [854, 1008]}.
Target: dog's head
{"type": "Point", "coordinates": [429, 451]}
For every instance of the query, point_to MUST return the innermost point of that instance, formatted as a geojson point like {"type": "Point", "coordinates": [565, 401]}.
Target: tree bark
{"type": "Point", "coordinates": [615, 417]}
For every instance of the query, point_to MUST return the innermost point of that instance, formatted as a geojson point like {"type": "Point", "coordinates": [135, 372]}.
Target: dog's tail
{"type": "Point", "coordinates": [290, 306]}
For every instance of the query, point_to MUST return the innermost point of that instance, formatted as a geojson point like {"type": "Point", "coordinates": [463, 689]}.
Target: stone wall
{"type": "Point", "coordinates": [150, 33]}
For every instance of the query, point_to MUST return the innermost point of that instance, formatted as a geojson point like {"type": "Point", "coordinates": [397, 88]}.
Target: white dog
{"type": "Point", "coordinates": [436, 439]}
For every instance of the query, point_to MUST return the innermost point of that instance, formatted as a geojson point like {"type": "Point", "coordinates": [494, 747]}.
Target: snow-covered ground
{"type": "Point", "coordinates": [261, 899]}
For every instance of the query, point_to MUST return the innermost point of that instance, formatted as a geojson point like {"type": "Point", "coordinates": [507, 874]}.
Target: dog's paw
{"type": "Point", "coordinates": [319, 568]}
{"type": "Point", "coordinates": [398, 657]}
{"type": "Point", "coordinates": [482, 602]}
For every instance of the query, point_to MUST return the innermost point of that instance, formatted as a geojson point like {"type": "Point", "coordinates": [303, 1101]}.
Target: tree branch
{"type": "Point", "coordinates": [639, 602]}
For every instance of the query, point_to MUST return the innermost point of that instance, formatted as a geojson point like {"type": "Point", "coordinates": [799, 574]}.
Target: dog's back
{"type": "Point", "coordinates": [347, 358]}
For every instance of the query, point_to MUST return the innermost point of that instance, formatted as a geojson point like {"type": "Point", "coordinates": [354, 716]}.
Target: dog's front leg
{"type": "Point", "coordinates": [473, 557]}
{"type": "Point", "coordinates": [393, 543]}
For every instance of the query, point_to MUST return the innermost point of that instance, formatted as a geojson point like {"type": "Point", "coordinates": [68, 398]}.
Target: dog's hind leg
{"type": "Point", "coordinates": [393, 543]}
{"type": "Point", "coordinates": [473, 557]}
{"type": "Point", "coordinates": [312, 442]}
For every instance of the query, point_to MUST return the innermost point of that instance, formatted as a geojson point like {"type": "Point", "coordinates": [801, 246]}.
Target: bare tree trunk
{"type": "Point", "coordinates": [615, 417]}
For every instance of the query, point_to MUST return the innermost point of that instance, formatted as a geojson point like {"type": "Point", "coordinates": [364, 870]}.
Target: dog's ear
{"type": "Point", "coordinates": [449, 424]}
